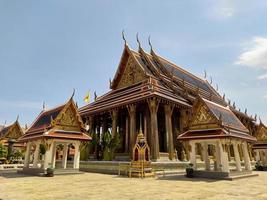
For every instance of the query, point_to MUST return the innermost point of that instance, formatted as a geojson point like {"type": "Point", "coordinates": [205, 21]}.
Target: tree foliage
{"type": "Point", "coordinates": [3, 151]}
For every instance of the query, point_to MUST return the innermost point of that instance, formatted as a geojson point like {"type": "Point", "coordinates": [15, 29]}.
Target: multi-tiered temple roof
{"type": "Point", "coordinates": [141, 75]}
{"type": "Point", "coordinates": [62, 122]}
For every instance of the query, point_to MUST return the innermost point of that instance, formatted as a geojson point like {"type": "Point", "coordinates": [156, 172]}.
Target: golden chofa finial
{"type": "Point", "coordinates": [17, 118]}
{"type": "Point", "coordinates": [137, 39]}
{"type": "Point", "coordinates": [73, 93]}
{"type": "Point", "coordinates": [123, 37]}
{"type": "Point", "coordinates": [210, 80]}
{"type": "Point", "coordinates": [43, 105]}
{"type": "Point", "coordinates": [149, 42]}
{"type": "Point", "coordinates": [205, 74]}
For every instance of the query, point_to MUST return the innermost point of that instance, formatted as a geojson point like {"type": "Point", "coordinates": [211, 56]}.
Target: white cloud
{"type": "Point", "coordinates": [224, 9]}
{"type": "Point", "coordinates": [261, 77]}
{"type": "Point", "coordinates": [255, 56]}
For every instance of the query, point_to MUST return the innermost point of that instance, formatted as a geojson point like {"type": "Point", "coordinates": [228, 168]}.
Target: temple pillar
{"type": "Point", "coordinates": [246, 156]}
{"type": "Point", "coordinates": [54, 154]}
{"type": "Point", "coordinates": [65, 156]}
{"type": "Point", "coordinates": [114, 117]}
{"type": "Point", "coordinates": [27, 155]}
{"type": "Point", "coordinates": [36, 154]}
{"type": "Point", "coordinates": [205, 154]}
{"type": "Point", "coordinates": [257, 155]}
{"type": "Point", "coordinates": [219, 156]}
{"type": "Point", "coordinates": [169, 135]}
{"type": "Point", "coordinates": [153, 107]}
{"type": "Point", "coordinates": [225, 159]}
{"type": "Point", "coordinates": [76, 160]}
{"type": "Point", "coordinates": [132, 114]}
{"type": "Point", "coordinates": [192, 153]}
{"type": "Point", "coordinates": [48, 155]}
{"type": "Point", "coordinates": [237, 157]}
{"type": "Point", "coordinates": [145, 125]}
{"type": "Point", "coordinates": [127, 134]}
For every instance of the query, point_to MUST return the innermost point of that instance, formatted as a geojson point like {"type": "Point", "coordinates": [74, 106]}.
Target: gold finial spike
{"type": "Point", "coordinates": [217, 88]}
{"type": "Point", "coordinates": [246, 111]}
{"type": "Point", "coordinates": [210, 80]}
{"type": "Point", "coordinates": [5, 124]}
{"type": "Point", "coordinates": [149, 42]}
{"type": "Point", "coordinates": [17, 118]}
{"type": "Point", "coordinates": [260, 120]}
{"type": "Point", "coordinates": [110, 82]}
{"type": "Point", "coordinates": [234, 105]}
{"type": "Point", "coordinates": [137, 39]}
{"type": "Point", "coordinates": [43, 105]}
{"type": "Point", "coordinates": [205, 74]}
{"type": "Point", "coordinates": [123, 37]}
{"type": "Point", "coordinates": [73, 93]}
{"type": "Point", "coordinates": [95, 95]}
{"type": "Point", "coordinates": [255, 117]}
{"type": "Point", "coordinates": [223, 96]}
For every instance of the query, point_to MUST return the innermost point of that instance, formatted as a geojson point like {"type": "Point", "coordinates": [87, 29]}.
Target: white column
{"type": "Point", "coordinates": [76, 162]}
{"type": "Point", "coordinates": [225, 159]}
{"type": "Point", "coordinates": [205, 154]}
{"type": "Point", "coordinates": [257, 155]}
{"type": "Point", "coordinates": [48, 156]}
{"type": "Point", "coordinates": [219, 153]}
{"type": "Point", "coordinates": [237, 157]}
{"type": "Point", "coordinates": [27, 155]}
{"type": "Point", "coordinates": [65, 156]}
{"type": "Point", "coordinates": [36, 154]}
{"type": "Point", "coordinates": [193, 154]}
{"type": "Point", "coordinates": [246, 156]}
{"type": "Point", "coordinates": [54, 153]}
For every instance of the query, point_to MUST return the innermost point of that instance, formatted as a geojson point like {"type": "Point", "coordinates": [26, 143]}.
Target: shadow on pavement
{"type": "Point", "coordinates": [12, 174]}
{"type": "Point", "coordinates": [182, 177]}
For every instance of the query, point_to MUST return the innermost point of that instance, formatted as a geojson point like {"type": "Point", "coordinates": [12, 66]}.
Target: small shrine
{"type": "Point", "coordinates": [215, 127]}
{"type": "Point", "coordinates": [61, 126]}
{"type": "Point", "coordinates": [260, 147]}
{"type": "Point", "coordinates": [141, 164]}
{"type": "Point", "coordinates": [9, 136]}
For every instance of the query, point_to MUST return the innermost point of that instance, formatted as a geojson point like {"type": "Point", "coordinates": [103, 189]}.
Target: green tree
{"type": "Point", "coordinates": [3, 151]}
{"type": "Point", "coordinates": [110, 145]}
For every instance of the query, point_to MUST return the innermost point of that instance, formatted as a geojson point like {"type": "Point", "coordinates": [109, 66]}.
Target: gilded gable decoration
{"type": "Point", "coordinates": [262, 134]}
{"type": "Point", "coordinates": [202, 116]}
{"type": "Point", "coordinates": [131, 75]}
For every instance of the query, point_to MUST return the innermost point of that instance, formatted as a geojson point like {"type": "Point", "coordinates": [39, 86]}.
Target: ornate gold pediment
{"type": "Point", "coordinates": [132, 74]}
{"type": "Point", "coordinates": [68, 120]}
{"type": "Point", "coordinates": [202, 116]}
{"type": "Point", "coordinates": [262, 136]}
{"type": "Point", "coordinates": [14, 133]}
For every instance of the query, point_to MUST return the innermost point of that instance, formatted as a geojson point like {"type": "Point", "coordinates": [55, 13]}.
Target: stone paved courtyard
{"type": "Point", "coordinates": [100, 186]}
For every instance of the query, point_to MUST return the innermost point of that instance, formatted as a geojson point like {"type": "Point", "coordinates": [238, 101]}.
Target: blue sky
{"type": "Point", "coordinates": [47, 48]}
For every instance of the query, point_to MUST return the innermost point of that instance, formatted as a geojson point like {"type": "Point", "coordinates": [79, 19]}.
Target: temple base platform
{"type": "Point", "coordinates": [123, 167]}
{"type": "Point", "coordinates": [232, 175]}
{"type": "Point", "coordinates": [41, 172]}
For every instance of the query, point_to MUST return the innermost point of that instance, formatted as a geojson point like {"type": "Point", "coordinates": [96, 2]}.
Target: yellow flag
{"type": "Point", "coordinates": [87, 98]}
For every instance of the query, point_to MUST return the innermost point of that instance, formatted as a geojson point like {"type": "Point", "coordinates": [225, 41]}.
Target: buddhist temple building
{"type": "Point", "coordinates": [260, 147]}
{"type": "Point", "coordinates": [9, 136]}
{"type": "Point", "coordinates": [61, 125]}
{"type": "Point", "coordinates": [214, 126]}
{"type": "Point", "coordinates": [164, 94]}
